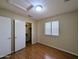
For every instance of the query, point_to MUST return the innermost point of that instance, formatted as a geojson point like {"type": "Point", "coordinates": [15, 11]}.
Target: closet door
{"type": "Point", "coordinates": [5, 36]}
{"type": "Point", "coordinates": [19, 34]}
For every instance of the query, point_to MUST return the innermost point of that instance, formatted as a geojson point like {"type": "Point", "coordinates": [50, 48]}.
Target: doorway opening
{"type": "Point", "coordinates": [28, 34]}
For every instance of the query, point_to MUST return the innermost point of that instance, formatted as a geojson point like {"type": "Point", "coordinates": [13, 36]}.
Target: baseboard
{"type": "Point", "coordinates": [4, 55]}
{"type": "Point", "coordinates": [65, 50]}
{"type": "Point", "coordinates": [60, 49]}
{"type": "Point", "coordinates": [11, 53]}
{"type": "Point", "coordinates": [34, 43]}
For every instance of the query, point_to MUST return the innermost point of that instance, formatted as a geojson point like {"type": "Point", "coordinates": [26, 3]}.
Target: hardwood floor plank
{"type": "Point", "coordinates": [39, 51]}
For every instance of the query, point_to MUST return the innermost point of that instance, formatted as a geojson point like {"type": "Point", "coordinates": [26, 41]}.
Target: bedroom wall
{"type": "Point", "coordinates": [67, 39]}
{"type": "Point", "coordinates": [12, 15]}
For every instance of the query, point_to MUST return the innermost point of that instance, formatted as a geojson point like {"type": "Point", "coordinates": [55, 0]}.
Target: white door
{"type": "Point", "coordinates": [19, 34]}
{"type": "Point", "coordinates": [5, 36]}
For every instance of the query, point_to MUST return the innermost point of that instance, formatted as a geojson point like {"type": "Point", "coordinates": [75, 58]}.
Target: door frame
{"type": "Point", "coordinates": [31, 31]}
{"type": "Point", "coordinates": [13, 35]}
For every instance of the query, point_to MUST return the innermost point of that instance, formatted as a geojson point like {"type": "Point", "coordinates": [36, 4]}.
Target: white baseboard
{"type": "Point", "coordinates": [65, 50]}
{"type": "Point", "coordinates": [34, 43]}
{"type": "Point", "coordinates": [60, 49]}
{"type": "Point", "coordinates": [2, 56]}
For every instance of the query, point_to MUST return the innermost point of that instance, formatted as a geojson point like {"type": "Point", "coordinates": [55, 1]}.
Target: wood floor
{"type": "Point", "coordinates": [39, 51]}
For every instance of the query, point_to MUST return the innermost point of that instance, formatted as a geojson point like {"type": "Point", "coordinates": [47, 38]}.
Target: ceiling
{"type": "Point", "coordinates": [50, 7]}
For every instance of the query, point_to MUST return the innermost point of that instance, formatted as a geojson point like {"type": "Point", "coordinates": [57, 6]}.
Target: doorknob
{"type": "Point", "coordinates": [9, 38]}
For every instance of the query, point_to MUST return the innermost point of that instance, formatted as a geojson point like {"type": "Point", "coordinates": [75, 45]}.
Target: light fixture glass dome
{"type": "Point", "coordinates": [39, 8]}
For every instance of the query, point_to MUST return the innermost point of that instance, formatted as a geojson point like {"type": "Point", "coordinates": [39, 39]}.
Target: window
{"type": "Point", "coordinates": [55, 28]}
{"type": "Point", "coordinates": [48, 28]}
{"type": "Point", "coordinates": [52, 28]}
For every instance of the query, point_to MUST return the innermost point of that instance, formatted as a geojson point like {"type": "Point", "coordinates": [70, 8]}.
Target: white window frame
{"type": "Point", "coordinates": [52, 32]}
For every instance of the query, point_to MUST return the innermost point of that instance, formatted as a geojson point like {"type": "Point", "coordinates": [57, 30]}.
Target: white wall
{"type": "Point", "coordinates": [67, 39]}
{"type": "Point", "coordinates": [12, 15]}
{"type": "Point", "coordinates": [68, 30]}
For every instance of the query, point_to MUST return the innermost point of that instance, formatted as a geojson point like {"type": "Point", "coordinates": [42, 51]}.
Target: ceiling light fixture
{"type": "Point", "coordinates": [39, 8]}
